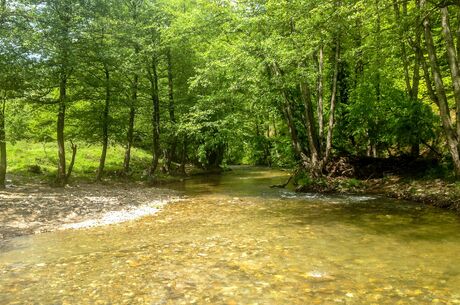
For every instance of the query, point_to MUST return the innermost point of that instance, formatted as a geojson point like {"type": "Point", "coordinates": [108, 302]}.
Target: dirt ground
{"type": "Point", "coordinates": [32, 209]}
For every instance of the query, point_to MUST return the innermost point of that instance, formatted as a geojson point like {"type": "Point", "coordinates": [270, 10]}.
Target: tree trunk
{"type": "Point", "coordinates": [420, 55]}
{"type": "Point", "coordinates": [72, 161]}
{"type": "Point", "coordinates": [320, 94]}
{"type": "Point", "coordinates": [3, 161]}
{"type": "Point", "coordinates": [453, 61]}
{"type": "Point", "coordinates": [375, 123]}
{"type": "Point", "coordinates": [134, 8]}
{"type": "Point", "coordinates": [411, 88]}
{"type": "Point", "coordinates": [417, 64]}
{"type": "Point", "coordinates": [105, 125]}
{"type": "Point", "coordinates": [451, 134]}
{"type": "Point", "coordinates": [415, 146]}
{"type": "Point", "coordinates": [130, 140]}
{"type": "Point", "coordinates": [275, 130]}
{"type": "Point", "coordinates": [3, 12]}
{"type": "Point", "coordinates": [184, 156]}
{"type": "Point", "coordinates": [314, 165]}
{"type": "Point", "coordinates": [172, 117]}
{"type": "Point", "coordinates": [289, 116]}
{"type": "Point", "coordinates": [427, 77]}
{"type": "Point", "coordinates": [378, 30]}
{"type": "Point", "coordinates": [402, 46]}
{"type": "Point", "coordinates": [330, 128]}
{"type": "Point", "coordinates": [62, 176]}
{"type": "Point", "coordinates": [415, 150]}
{"type": "Point", "coordinates": [130, 134]}
{"type": "Point", "coordinates": [458, 34]}
{"type": "Point", "coordinates": [155, 117]}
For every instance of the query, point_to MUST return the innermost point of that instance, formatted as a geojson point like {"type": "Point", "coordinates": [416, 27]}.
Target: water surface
{"type": "Point", "coordinates": [233, 240]}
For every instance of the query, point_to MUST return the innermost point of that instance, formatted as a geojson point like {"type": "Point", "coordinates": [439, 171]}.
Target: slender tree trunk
{"type": "Point", "coordinates": [172, 116]}
{"type": "Point", "coordinates": [184, 156]}
{"type": "Point", "coordinates": [451, 134]}
{"type": "Point", "coordinates": [320, 94]}
{"type": "Point", "coordinates": [417, 64]}
{"type": "Point", "coordinates": [429, 86]}
{"type": "Point", "coordinates": [133, 104]}
{"type": "Point", "coordinates": [359, 66]}
{"type": "Point", "coordinates": [415, 145]}
{"type": "Point", "coordinates": [405, 59]}
{"type": "Point", "coordinates": [402, 46]}
{"type": "Point", "coordinates": [72, 160]}
{"type": "Point", "coordinates": [420, 58]}
{"type": "Point", "coordinates": [427, 77]}
{"type": "Point", "coordinates": [314, 165]}
{"type": "Point", "coordinates": [105, 124]}
{"type": "Point", "coordinates": [3, 161]}
{"type": "Point", "coordinates": [155, 117]}
{"type": "Point", "coordinates": [289, 116]}
{"type": "Point", "coordinates": [374, 124]}
{"type": "Point", "coordinates": [458, 34]}
{"type": "Point", "coordinates": [64, 47]}
{"type": "Point", "coordinates": [411, 88]}
{"type": "Point", "coordinates": [62, 176]}
{"type": "Point", "coordinates": [2, 11]}
{"type": "Point", "coordinates": [130, 134]}
{"type": "Point", "coordinates": [453, 61]}
{"type": "Point", "coordinates": [171, 88]}
{"type": "Point", "coordinates": [292, 129]}
{"type": "Point", "coordinates": [134, 8]}
{"type": "Point", "coordinates": [130, 140]}
{"type": "Point", "coordinates": [330, 128]}
{"type": "Point", "coordinates": [378, 52]}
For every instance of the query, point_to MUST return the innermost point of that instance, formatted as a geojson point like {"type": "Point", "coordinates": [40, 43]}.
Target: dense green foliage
{"type": "Point", "coordinates": [216, 82]}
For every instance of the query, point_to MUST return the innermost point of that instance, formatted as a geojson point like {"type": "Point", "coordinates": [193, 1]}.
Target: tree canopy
{"type": "Point", "coordinates": [215, 82]}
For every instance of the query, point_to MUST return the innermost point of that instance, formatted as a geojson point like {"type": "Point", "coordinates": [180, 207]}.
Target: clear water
{"type": "Point", "coordinates": [236, 241]}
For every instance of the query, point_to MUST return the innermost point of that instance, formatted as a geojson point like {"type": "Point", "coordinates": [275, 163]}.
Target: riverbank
{"type": "Point", "coordinates": [31, 205]}
{"type": "Point", "coordinates": [36, 208]}
{"type": "Point", "coordinates": [435, 192]}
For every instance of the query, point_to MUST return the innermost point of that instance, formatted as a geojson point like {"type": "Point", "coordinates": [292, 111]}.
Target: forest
{"type": "Point", "coordinates": [282, 83]}
{"type": "Point", "coordinates": [229, 152]}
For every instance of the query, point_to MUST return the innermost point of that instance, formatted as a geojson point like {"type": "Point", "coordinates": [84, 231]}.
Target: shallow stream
{"type": "Point", "coordinates": [233, 240]}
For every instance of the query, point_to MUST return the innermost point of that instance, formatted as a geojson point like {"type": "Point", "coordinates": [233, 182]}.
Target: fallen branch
{"type": "Point", "coordinates": [282, 186]}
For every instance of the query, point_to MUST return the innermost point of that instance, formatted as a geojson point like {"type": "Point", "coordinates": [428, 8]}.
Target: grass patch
{"type": "Point", "coordinates": [31, 160]}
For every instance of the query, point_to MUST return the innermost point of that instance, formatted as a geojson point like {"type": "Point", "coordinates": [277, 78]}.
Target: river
{"type": "Point", "coordinates": [234, 240]}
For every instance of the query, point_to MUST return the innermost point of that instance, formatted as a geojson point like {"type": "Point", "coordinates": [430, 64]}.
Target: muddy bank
{"type": "Point", "coordinates": [35, 208]}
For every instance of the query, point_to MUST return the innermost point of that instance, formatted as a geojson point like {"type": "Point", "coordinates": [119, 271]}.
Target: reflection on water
{"type": "Point", "coordinates": [236, 241]}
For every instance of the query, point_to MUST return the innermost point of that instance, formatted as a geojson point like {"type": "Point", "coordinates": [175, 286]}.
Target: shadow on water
{"type": "Point", "coordinates": [241, 181]}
